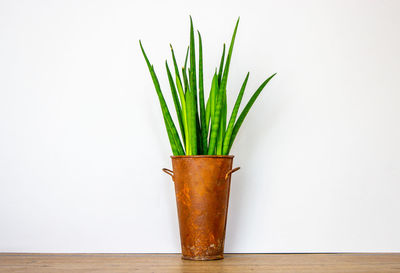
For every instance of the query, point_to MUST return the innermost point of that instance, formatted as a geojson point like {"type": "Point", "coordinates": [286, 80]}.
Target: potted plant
{"type": "Point", "coordinates": [201, 163]}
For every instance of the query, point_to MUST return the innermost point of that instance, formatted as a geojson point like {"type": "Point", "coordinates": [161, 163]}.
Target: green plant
{"type": "Point", "coordinates": [203, 126]}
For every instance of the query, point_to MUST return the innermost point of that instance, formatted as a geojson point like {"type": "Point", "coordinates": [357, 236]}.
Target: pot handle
{"type": "Point", "coordinates": [229, 173]}
{"type": "Point", "coordinates": [169, 172]}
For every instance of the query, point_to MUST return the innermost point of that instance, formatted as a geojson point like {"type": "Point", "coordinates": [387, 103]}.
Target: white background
{"type": "Point", "coordinates": [82, 141]}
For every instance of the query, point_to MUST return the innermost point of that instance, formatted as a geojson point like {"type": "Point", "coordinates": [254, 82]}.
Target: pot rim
{"type": "Point", "coordinates": [201, 156]}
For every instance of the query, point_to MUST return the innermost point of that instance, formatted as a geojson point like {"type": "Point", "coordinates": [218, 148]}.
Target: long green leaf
{"type": "Point", "coordinates": [184, 113]}
{"type": "Point", "coordinates": [216, 120]}
{"type": "Point", "coordinates": [214, 97]}
{"type": "Point", "coordinates": [228, 58]}
{"type": "Point", "coordinates": [232, 119]}
{"type": "Point", "coordinates": [193, 86]}
{"type": "Point", "coordinates": [222, 90]}
{"type": "Point", "coordinates": [175, 63]}
{"type": "Point", "coordinates": [208, 112]}
{"type": "Point", "coordinates": [221, 65]}
{"type": "Point", "coordinates": [185, 80]}
{"type": "Point", "coordinates": [247, 109]}
{"type": "Point", "coordinates": [176, 102]}
{"type": "Point", "coordinates": [186, 57]}
{"type": "Point", "coordinates": [203, 125]}
{"type": "Point", "coordinates": [191, 115]}
{"type": "Point", "coordinates": [173, 136]}
{"type": "Point", "coordinates": [198, 136]}
{"type": "Point", "coordinates": [222, 126]}
{"type": "Point", "coordinates": [184, 73]}
{"type": "Point", "coordinates": [210, 109]}
{"type": "Point", "coordinates": [192, 74]}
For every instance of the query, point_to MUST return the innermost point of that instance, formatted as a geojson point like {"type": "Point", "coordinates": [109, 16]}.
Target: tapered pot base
{"type": "Point", "coordinates": [203, 258]}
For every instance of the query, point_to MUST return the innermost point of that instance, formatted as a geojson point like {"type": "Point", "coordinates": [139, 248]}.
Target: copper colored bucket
{"type": "Point", "coordinates": [202, 186]}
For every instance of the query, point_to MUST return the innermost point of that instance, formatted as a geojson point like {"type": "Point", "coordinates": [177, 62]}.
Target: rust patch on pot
{"type": "Point", "coordinates": [202, 186]}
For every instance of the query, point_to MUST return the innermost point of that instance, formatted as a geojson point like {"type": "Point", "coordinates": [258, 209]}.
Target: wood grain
{"type": "Point", "coordinates": [166, 263]}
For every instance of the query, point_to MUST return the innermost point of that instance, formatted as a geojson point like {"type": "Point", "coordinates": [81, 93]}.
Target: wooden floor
{"type": "Point", "coordinates": [165, 263]}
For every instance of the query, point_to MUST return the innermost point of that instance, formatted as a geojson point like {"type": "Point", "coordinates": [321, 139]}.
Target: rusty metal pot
{"type": "Point", "coordinates": [202, 186]}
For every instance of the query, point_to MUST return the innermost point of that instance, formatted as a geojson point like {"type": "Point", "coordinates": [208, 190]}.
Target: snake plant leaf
{"type": "Point", "coordinates": [186, 57]}
{"type": "Point", "coordinates": [247, 109]}
{"type": "Point", "coordinates": [214, 95]}
{"type": "Point", "coordinates": [173, 136]}
{"type": "Point", "coordinates": [175, 63]}
{"type": "Point", "coordinates": [184, 113]}
{"type": "Point", "coordinates": [208, 113]}
{"type": "Point", "coordinates": [203, 125]}
{"type": "Point", "coordinates": [215, 87]}
{"type": "Point", "coordinates": [228, 58]}
{"type": "Point", "coordinates": [193, 85]}
{"type": "Point", "coordinates": [232, 119]}
{"type": "Point", "coordinates": [222, 126]}
{"type": "Point", "coordinates": [184, 72]}
{"type": "Point", "coordinates": [222, 87]}
{"type": "Point", "coordinates": [191, 115]}
{"type": "Point", "coordinates": [215, 122]}
{"type": "Point", "coordinates": [192, 75]}
{"type": "Point", "coordinates": [185, 80]}
{"type": "Point", "coordinates": [210, 108]}
{"type": "Point", "coordinates": [221, 65]}
{"type": "Point", "coordinates": [199, 136]}
{"type": "Point", "coordinates": [177, 104]}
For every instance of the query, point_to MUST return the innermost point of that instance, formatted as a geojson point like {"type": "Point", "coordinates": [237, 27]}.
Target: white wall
{"type": "Point", "coordinates": [82, 141]}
